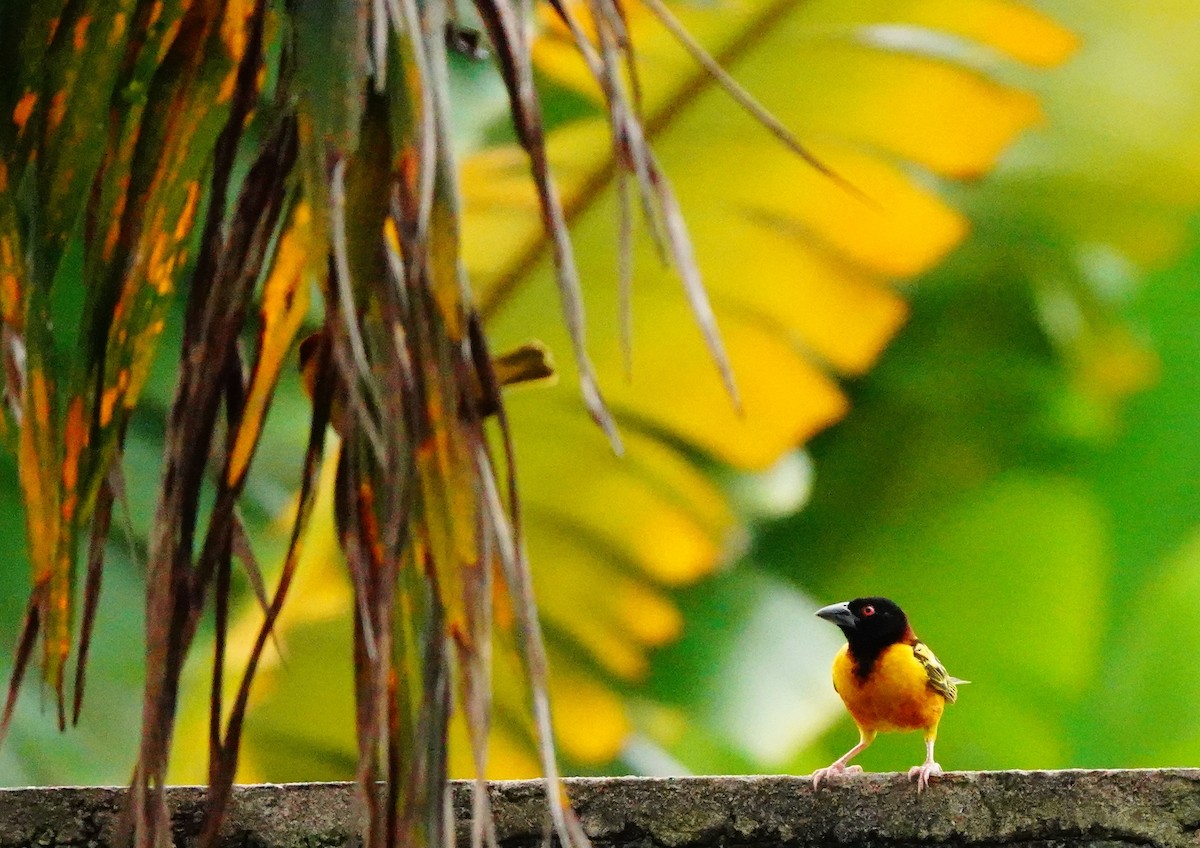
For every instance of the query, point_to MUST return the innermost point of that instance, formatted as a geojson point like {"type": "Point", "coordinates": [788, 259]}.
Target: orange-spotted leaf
{"type": "Point", "coordinates": [283, 306]}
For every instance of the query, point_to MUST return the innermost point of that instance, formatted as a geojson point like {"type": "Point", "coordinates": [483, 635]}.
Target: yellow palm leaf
{"type": "Point", "coordinates": [802, 274]}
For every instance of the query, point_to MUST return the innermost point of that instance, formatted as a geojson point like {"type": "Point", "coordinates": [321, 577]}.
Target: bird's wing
{"type": "Point", "coordinates": [939, 680]}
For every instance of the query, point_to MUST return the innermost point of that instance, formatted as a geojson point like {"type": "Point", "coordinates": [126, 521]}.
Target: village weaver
{"type": "Point", "coordinates": [888, 679]}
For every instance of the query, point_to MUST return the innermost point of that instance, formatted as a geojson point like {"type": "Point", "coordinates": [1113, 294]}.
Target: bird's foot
{"type": "Point", "coordinates": [922, 773]}
{"type": "Point", "coordinates": [832, 771]}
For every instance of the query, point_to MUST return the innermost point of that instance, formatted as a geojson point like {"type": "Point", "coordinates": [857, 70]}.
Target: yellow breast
{"type": "Point", "coordinates": [895, 696]}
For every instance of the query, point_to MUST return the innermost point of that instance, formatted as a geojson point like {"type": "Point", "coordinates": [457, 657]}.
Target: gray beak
{"type": "Point", "coordinates": [839, 614]}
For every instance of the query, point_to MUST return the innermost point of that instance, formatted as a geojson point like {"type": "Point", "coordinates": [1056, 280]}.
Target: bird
{"type": "Point", "coordinates": [889, 681]}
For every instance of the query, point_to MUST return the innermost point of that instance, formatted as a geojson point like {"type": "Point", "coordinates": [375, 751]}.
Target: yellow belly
{"type": "Point", "coordinates": [895, 697]}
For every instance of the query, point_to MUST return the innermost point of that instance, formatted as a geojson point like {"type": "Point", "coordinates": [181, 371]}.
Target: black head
{"type": "Point", "coordinates": [870, 625]}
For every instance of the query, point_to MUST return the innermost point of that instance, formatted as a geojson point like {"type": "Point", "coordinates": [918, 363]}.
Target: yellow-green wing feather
{"type": "Point", "coordinates": [939, 680]}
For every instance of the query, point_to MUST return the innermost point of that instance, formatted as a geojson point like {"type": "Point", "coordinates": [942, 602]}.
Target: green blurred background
{"type": "Point", "coordinates": [1020, 471]}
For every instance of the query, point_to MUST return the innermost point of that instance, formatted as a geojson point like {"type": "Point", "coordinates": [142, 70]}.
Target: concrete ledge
{"type": "Point", "coordinates": [1057, 808]}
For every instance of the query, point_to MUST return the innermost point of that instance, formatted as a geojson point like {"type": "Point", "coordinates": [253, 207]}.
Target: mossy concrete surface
{"type": "Point", "coordinates": [1044, 809]}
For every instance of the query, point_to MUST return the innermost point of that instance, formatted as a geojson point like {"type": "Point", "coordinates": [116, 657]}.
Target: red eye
{"type": "Point", "coordinates": [868, 610]}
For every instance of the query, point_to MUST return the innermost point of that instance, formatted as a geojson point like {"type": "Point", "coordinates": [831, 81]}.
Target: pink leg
{"type": "Point", "coordinates": [839, 766]}
{"type": "Point", "coordinates": [927, 769]}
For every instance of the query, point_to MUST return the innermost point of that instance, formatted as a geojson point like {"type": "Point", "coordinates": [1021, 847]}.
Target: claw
{"type": "Point", "coordinates": [922, 773]}
{"type": "Point", "coordinates": [837, 768]}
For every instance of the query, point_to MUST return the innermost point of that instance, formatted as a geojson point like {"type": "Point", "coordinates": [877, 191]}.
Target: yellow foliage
{"type": "Point", "coordinates": [802, 275]}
